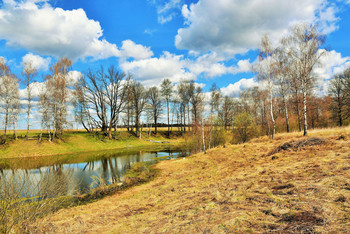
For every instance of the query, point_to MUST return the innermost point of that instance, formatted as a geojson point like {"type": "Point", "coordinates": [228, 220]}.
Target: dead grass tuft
{"type": "Point", "coordinates": [296, 145]}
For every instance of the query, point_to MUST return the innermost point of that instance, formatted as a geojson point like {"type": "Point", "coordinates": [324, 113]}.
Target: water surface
{"type": "Point", "coordinates": [77, 173]}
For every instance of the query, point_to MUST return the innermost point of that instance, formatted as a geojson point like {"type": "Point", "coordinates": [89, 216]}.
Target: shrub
{"type": "Point", "coordinates": [23, 200]}
{"type": "Point", "coordinates": [244, 127]}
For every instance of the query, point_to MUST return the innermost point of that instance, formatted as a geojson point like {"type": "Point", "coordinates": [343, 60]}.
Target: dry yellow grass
{"type": "Point", "coordinates": [234, 189]}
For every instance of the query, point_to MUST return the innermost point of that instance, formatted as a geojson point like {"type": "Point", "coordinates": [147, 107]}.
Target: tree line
{"type": "Point", "coordinates": [106, 99]}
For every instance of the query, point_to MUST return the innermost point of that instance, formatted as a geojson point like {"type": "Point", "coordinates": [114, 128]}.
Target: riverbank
{"type": "Point", "coordinates": [80, 142]}
{"type": "Point", "coordinates": [261, 186]}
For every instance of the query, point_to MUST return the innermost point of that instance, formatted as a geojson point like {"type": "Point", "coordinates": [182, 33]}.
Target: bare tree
{"type": "Point", "coordinates": [116, 95]}
{"type": "Point", "coordinates": [14, 108]}
{"type": "Point", "coordinates": [196, 100]}
{"type": "Point", "coordinates": [9, 97]}
{"type": "Point", "coordinates": [339, 90]}
{"type": "Point", "coordinates": [106, 94]}
{"type": "Point", "coordinates": [283, 78]}
{"type": "Point", "coordinates": [81, 107]}
{"type": "Point", "coordinates": [215, 97]}
{"type": "Point", "coordinates": [139, 99]}
{"type": "Point", "coordinates": [346, 81]}
{"type": "Point", "coordinates": [156, 105]}
{"type": "Point", "coordinates": [266, 69]}
{"type": "Point", "coordinates": [45, 113]}
{"type": "Point", "coordinates": [95, 96]}
{"type": "Point", "coordinates": [57, 86]}
{"type": "Point", "coordinates": [129, 111]}
{"type": "Point", "coordinates": [295, 90]}
{"type": "Point", "coordinates": [226, 112]}
{"type": "Point", "coordinates": [304, 43]}
{"type": "Point", "coordinates": [29, 72]}
{"type": "Point", "coordinates": [183, 89]}
{"type": "Point", "coordinates": [167, 91]}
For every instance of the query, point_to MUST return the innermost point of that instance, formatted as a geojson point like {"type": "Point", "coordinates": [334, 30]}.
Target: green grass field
{"type": "Point", "coordinates": [75, 141]}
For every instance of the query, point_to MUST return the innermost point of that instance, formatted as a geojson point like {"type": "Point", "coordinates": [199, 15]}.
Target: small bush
{"type": "Point", "coordinates": [139, 173]}
{"type": "Point", "coordinates": [23, 201]}
{"type": "Point", "coordinates": [244, 128]}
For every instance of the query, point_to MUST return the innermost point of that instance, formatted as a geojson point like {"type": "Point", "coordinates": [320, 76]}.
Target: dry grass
{"type": "Point", "coordinates": [234, 189]}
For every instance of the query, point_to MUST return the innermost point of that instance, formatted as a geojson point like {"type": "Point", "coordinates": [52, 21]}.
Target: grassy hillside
{"type": "Point", "coordinates": [74, 142]}
{"type": "Point", "coordinates": [241, 188]}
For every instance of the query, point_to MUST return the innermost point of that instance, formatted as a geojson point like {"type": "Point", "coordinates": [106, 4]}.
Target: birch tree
{"type": "Point", "coordinates": [283, 77]}
{"type": "Point", "coordinates": [81, 107]}
{"type": "Point", "coordinates": [155, 105]}
{"type": "Point", "coordinates": [9, 96]}
{"type": "Point", "coordinates": [304, 47]}
{"type": "Point", "coordinates": [196, 101]}
{"type": "Point", "coordinates": [183, 90]}
{"type": "Point", "coordinates": [14, 107]}
{"type": "Point", "coordinates": [45, 113]}
{"type": "Point", "coordinates": [167, 91]}
{"type": "Point", "coordinates": [29, 72]}
{"type": "Point", "coordinates": [57, 86]}
{"type": "Point", "coordinates": [265, 69]}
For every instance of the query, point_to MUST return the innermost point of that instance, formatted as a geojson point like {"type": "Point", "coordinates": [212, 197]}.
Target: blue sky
{"type": "Point", "coordinates": [205, 40]}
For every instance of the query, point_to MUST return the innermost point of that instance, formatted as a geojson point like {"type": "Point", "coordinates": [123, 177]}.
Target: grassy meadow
{"type": "Point", "coordinates": [76, 141]}
{"type": "Point", "coordinates": [257, 187]}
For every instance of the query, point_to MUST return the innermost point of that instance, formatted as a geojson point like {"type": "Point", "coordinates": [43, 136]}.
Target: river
{"type": "Point", "coordinates": [75, 173]}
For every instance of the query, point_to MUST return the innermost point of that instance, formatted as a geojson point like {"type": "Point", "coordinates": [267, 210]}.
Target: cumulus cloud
{"type": "Point", "coordinates": [74, 76]}
{"type": "Point", "coordinates": [37, 26]}
{"type": "Point", "coordinates": [213, 65]}
{"type": "Point", "coordinates": [35, 61]}
{"type": "Point", "coordinates": [234, 89]}
{"type": "Point", "coordinates": [232, 27]}
{"type": "Point", "coordinates": [175, 67]}
{"type": "Point", "coordinates": [331, 63]}
{"type": "Point", "coordinates": [35, 87]}
{"type": "Point", "coordinates": [152, 71]}
{"type": "Point", "coordinates": [130, 49]}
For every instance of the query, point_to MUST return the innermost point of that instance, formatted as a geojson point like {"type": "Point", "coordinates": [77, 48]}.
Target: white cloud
{"type": "Point", "coordinates": [37, 26]}
{"type": "Point", "coordinates": [232, 27]}
{"type": "Point", "coordinates": [36, 89]}
{"type": "Point", "coordinates": [234, 89]}
{"type": "Point", "coordinates": [331, 63]}
{"type": "Point", "coordinates": [185, 12]}
{"type": "Point", "coordinates": [243, 66]}
{"type": "Point", "coordinates": [152, 71]}
{"type": "Point", "coordinates": [166, 10]}
{"type": "Point", "coordinates": [327, 19]}
{"type": "Point", "coordinates": [175, 67]}
{"type": "Point", "coordinates": [37, 62]}
{"type": "Point", "coordinates": [74, 76]}
{"type": "Point", "coordinates": [212, 65]}
{"type": "Point", "coordinates": [130, 49]}
{"type": "Point", "coordinates": [149, 31]}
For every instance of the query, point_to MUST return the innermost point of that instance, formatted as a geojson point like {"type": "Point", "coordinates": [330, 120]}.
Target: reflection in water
{"type": "Point", "coordinates": [79, 177]}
